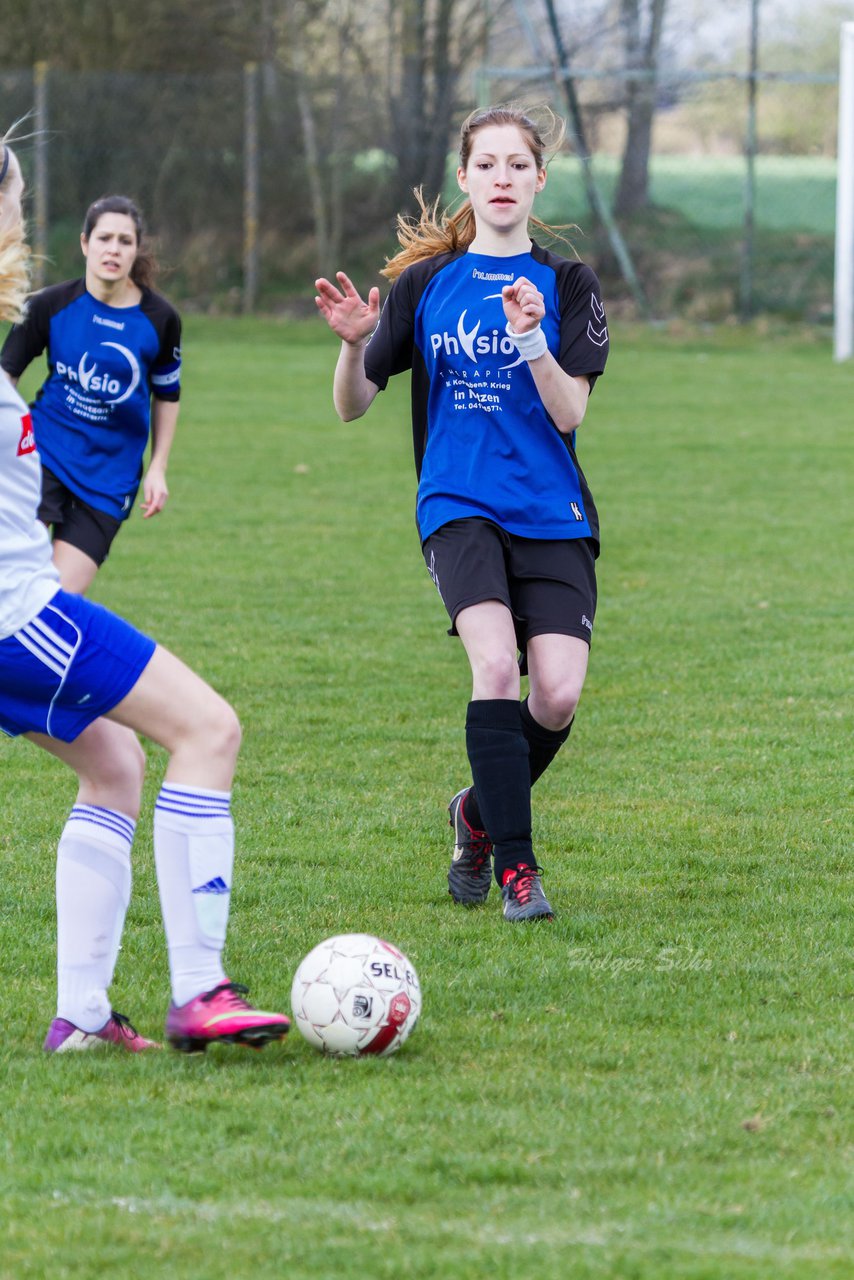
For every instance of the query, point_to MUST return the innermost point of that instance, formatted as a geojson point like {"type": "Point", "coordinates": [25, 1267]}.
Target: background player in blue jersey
{"type": "Point", "coordinates": [504, 340]}
{"type": "Point", "coordinates": [114, 359]}
{"type": "Point", "coordinates": [79, 682]}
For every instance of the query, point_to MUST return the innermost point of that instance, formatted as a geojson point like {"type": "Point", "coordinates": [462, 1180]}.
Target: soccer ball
{"type": "Point", "coordinates": [355, 994]}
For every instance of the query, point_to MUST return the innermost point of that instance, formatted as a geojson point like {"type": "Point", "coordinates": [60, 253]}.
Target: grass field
{"type": "Point", "coordinates": [655, 1087]}
{"type": "Point", "coordinates": [793, 193]}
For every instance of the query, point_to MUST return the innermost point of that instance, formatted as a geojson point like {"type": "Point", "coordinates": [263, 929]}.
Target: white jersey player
{"type": "Point", "coordinates": [80, 682]}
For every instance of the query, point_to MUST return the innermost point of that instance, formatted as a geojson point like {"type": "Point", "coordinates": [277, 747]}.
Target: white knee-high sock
{"type": "Point", "coordinates": [194, 856]}
{"type": "Point", "coordinates": [93, 883]}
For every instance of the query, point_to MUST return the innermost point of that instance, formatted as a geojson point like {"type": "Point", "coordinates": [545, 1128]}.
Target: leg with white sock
{"type": "Point", "coordinates": [194, 855]}
{"type": "Point", "coordinates": [194, 838]}
{"type": "Point", "coordinates": [194, 852]}
{"type": "Point", "coordinates": [93, 885]}
{"type": "Point", "coordinates": [193, 830]}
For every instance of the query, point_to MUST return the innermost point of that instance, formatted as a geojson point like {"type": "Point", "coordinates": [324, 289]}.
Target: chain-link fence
{"type": "Point", "coordinates": [218, 165]}
{"type": "Point", "coordinates": [741, 215]}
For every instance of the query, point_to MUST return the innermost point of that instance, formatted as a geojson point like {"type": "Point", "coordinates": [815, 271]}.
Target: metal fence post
{"type": "Point", "coordinates": [748, 247]}
{"type": "Point", "coordinates": [40, 176]}
{"type": "Point", "coordinates": [250, 187]}
{"type": "Point", "coordinates": [843, 282]}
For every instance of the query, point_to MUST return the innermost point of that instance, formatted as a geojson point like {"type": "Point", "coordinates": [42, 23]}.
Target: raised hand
{"type": "Point", "coordinates": [524, 305]}
{"type": "Point", "coordinates": [346, 313]}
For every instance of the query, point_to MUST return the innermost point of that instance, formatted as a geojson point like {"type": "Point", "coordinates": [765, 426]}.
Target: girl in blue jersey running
{"type": "Point", "coordinates": [504, 340]}
{"type": "Point", "coordinates": [80, 682]}
{"type": "Point", "coordinates": [114, 358]}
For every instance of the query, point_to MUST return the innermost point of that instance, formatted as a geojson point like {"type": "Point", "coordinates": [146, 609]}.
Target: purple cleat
{"type": "Point", "coordinates": [64, 1037]}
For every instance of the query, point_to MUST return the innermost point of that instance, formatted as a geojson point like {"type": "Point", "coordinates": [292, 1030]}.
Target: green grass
{"type": "Point", "coordinates": [793, 193]}
{"type": "Point", "coordinates": [655, 1087]}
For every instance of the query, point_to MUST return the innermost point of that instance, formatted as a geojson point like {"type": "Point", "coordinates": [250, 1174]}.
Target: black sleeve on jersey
{"type": "Point", "coordinates": [167, 325]}
{"type": "Point", "coordinates": [583, 327]}
{"type": "Point", "coordinates": [26, 341]}
{"type": "Point", "coordinates": [391, 348]}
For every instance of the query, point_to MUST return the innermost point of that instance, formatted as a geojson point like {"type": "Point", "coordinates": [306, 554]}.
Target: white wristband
{"type": "Point", "coordinates": [530, 345]}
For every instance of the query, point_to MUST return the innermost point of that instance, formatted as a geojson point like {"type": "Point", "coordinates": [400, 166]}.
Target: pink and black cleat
{"type": "Point", "coordinates": [523, 894]}
{"type": "Point", "coordinates": [222, 1016]}
{"type": "Point", "coordinates": [64, 1037]}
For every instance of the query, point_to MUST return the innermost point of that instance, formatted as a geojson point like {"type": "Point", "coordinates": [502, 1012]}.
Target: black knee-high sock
{"type": "Point", "coordinates": [498, 755]}
{"type": "Point", "coordinates": [543, 746]}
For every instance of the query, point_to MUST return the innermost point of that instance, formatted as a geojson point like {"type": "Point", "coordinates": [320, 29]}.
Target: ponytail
{"type": "Point", "coordinates": [431, 233]}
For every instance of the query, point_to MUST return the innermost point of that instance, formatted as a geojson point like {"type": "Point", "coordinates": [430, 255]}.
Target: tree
{"type": "Point", "coordinates": [438, 40]}
{"type": "Point", "coordinates": [358, 106]}
{"type": "Point", "coordinates": [642, 24]}
{"type": "Point", "coordinates": [378, 93]}
{"type": "Point", "coordinates": [122, 35]}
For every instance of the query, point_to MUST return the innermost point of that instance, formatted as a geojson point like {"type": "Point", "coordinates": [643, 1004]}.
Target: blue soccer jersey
{"type": "Point", "coordinates": [92, 415]}
{"type": "Point", "coordinates": [484, 443]}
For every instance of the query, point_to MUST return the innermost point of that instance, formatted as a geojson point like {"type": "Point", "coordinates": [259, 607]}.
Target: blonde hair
{"type": "Point", "coordinates": [436, 231]}
{"type": "Point", "coordinates": [14, 258]}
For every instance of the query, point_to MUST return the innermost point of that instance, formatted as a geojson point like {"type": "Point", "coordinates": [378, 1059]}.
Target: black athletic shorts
{"type": "Point", "coordinates": [74, 521]}
{"type": "Point", "coordinates": [548, 586]}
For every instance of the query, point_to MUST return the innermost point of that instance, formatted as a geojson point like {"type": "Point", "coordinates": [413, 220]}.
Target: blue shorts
{"type": "Point", "coordinates": [70, 664]}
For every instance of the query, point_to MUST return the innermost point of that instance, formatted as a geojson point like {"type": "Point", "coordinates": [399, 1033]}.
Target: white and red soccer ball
{"type": "Point", "coordinates": [355, 995]}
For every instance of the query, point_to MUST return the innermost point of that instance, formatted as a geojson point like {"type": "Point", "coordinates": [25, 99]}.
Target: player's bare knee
{"type": "Point", "coordinates": [496, 675]}
{"type": "Point", "coordinates": [220, 729]}
{"type": "Point", "coordinates": [557, 705]}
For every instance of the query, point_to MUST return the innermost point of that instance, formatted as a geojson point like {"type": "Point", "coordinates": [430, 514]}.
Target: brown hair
{"type": "Point", "coordinates": [145, 268]}
{"type": "Point", "coordinates": [442, 232]}
{"type": "Point", "coordinates": [14, 255]}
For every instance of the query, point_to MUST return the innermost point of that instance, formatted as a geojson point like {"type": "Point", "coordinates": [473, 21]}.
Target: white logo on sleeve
{"type": "Point", "coordinates": [597, 329]}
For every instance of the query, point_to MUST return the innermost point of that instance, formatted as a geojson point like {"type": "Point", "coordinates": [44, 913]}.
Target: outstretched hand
{"type": "Point", "coordinates": [346, 313]}
{"type": "Point", "coordinates": [524, 305]}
